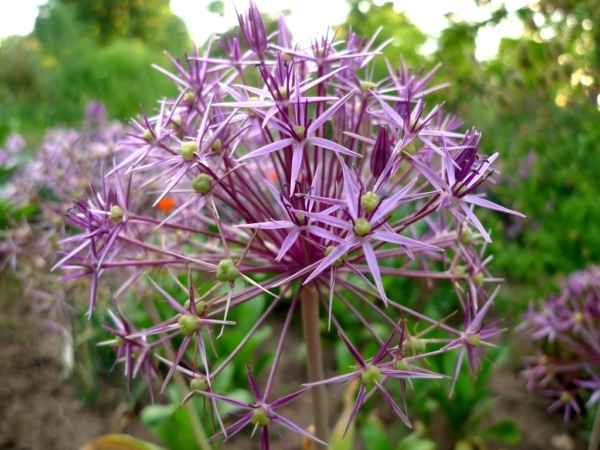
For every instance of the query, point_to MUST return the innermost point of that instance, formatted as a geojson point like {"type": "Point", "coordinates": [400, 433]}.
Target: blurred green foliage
{"type": "Point", "coordinates": [536, 103]}
{"type": "Point", "coordinates": [405, 38]}
{"type": "Point", "coordinates": [149, 21]}
{"type": "Point", "coordinates": [46, 78]}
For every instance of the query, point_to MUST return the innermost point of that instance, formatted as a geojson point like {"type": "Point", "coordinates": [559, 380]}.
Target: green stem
{"type": "Point", "coordinates": [595, 437]}
{"type": "Point", "coordinates": [312, 336]}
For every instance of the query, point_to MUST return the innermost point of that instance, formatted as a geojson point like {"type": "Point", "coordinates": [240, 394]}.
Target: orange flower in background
{"type": "Point", "coordinates": [166, 205]}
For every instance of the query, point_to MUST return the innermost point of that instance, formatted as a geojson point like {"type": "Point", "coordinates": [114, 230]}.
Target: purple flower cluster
{"type": "Point", "coordinates": [565, 330]}
{"type": "Point", "coordinates": [287, 172]}
{"type": "Point", "coordinates": [68, 162]}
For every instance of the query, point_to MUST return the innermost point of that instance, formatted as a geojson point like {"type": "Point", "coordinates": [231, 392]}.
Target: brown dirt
{"type": "Point", "coordinates": [38, 408]}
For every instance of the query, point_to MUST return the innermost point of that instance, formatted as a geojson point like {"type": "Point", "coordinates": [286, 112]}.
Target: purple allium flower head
{"type": "Point", "coordinates": [372, 374]}
{"type": "Point", "coordinates": [10, 152]}
{"type": "Point", "coordinates": [566, 330]}
{"type": "Point", "coordinates": [287, 172]}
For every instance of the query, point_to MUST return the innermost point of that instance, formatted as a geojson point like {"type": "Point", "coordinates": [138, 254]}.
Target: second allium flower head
{"type": "Point", "coordinates": [290, 169]}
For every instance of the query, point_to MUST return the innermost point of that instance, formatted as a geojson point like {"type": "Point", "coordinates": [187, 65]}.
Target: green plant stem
{"type": "Point", "coordinates": [312, 336]}
{"type": "Point", "coordinates": [595, 437]}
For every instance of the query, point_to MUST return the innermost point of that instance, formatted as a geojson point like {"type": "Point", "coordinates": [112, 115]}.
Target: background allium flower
{"type": "Point", "coordinates": [566, 331]}
{"type": "Point", "coordinates": [290, 173]}
{"type": "Point", "coordinates": [10, 152]}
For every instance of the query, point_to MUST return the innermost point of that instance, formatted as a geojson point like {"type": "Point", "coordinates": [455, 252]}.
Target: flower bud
{"type": "Point", "coordinates": [382, 151]}
{"type": "Point", "coordinates": [253, 30]}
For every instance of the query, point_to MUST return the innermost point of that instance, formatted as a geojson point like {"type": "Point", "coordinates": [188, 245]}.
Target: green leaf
{"type": "Point", "coordinates": [374, 437]}
{"type": "Point", "coordinates": [505, 430]}
{"type": "Point", "coordinates": [416, 441]}
{"type": "Point", "coordinates": [170, 424]}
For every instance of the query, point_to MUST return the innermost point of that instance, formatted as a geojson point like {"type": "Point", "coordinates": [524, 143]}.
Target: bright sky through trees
{"type": "Point", "coordinates": [307, 17]}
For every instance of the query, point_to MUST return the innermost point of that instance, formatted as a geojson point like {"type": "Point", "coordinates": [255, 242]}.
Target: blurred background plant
{"type": "Point", "coordinates": [564, 335]}
{"type": "Point", "coordinates": [536, 102]}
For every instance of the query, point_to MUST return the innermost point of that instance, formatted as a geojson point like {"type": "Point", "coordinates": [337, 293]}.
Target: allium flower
{"type": "Point", "coordinates": [290, 172]}
{"type": "Point", "coordinates": [566, 331]}
{"type": "Point", "coordinates": [134, 352]}
{"type": "Point", "coordinates": [372, 375]}
{"type": "Point", "coordinates": [475, 335]}
{"type": "Point", "coordinates": [11, 150]}
{"type": "Point", "coordinates": [261, 415]}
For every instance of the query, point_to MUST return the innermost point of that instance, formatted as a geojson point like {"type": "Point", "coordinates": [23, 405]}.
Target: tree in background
{"type": "Point", "coordinates": [365, 17]}
{"type": "Point", "coordinates": [85, 50]}
{"type": "Point", "coordinates": [541, 103]}
{"type": "Point", "coordinates": [150, 21]}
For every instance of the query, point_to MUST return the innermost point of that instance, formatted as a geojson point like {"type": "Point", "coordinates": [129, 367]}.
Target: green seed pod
{"type": "Point", "coordinates": [362, 227]}
{"type": "Point", "coordinates": [371, 375]}
{"type": "Point", "coordinates": [474, 339]}
{"type": "Point", "coordinates": [227, 271]}
{"type": "Point", "coordinates": [259, 417]}
{"type": "Point", "coordinates": [198, 384]}
{"type": "Point", "coordinates": [217, 146]}
{"type": "Point", "coordinates": [339, 261]}
{"type": "Point", "coordinates": [116, 214]}
{"type": "Point", "coordinates": [202, 183]}
{"type": "Point", "coordinates": [414, 346]}
{"type": "Point", "coordinates": [466, 237]}
{"type": "Point", "coordinates": [366, 86]}
{"type": "Point", "coordinates": [300, 131]}
{"type": "Point", "coordinates": [460, 271]}
{"type": "Point", "coordinates": [369, 201]}
{"type": "Point", "coordinates": [188, 149]}
{"type": "Point", "coordinates": [283, 92]}
{"type": "Point", "coordinates": [401, 364]}
{"type": "Point", "coordinates": [200, 307]}
{"type": "Point", "coordinates": [148, 136]}
{"type": "Point", "coordinates": [188, 324]}
{"type": "Point", "coordinates": [410, 148]}
{"type": "Point", "coordinates": [189, 97]}
{"type": "Point", "coordinates": [478, 279]}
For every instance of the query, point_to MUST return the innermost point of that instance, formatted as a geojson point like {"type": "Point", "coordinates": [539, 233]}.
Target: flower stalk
{"type": "Point", "coordinates": [309, 299]}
